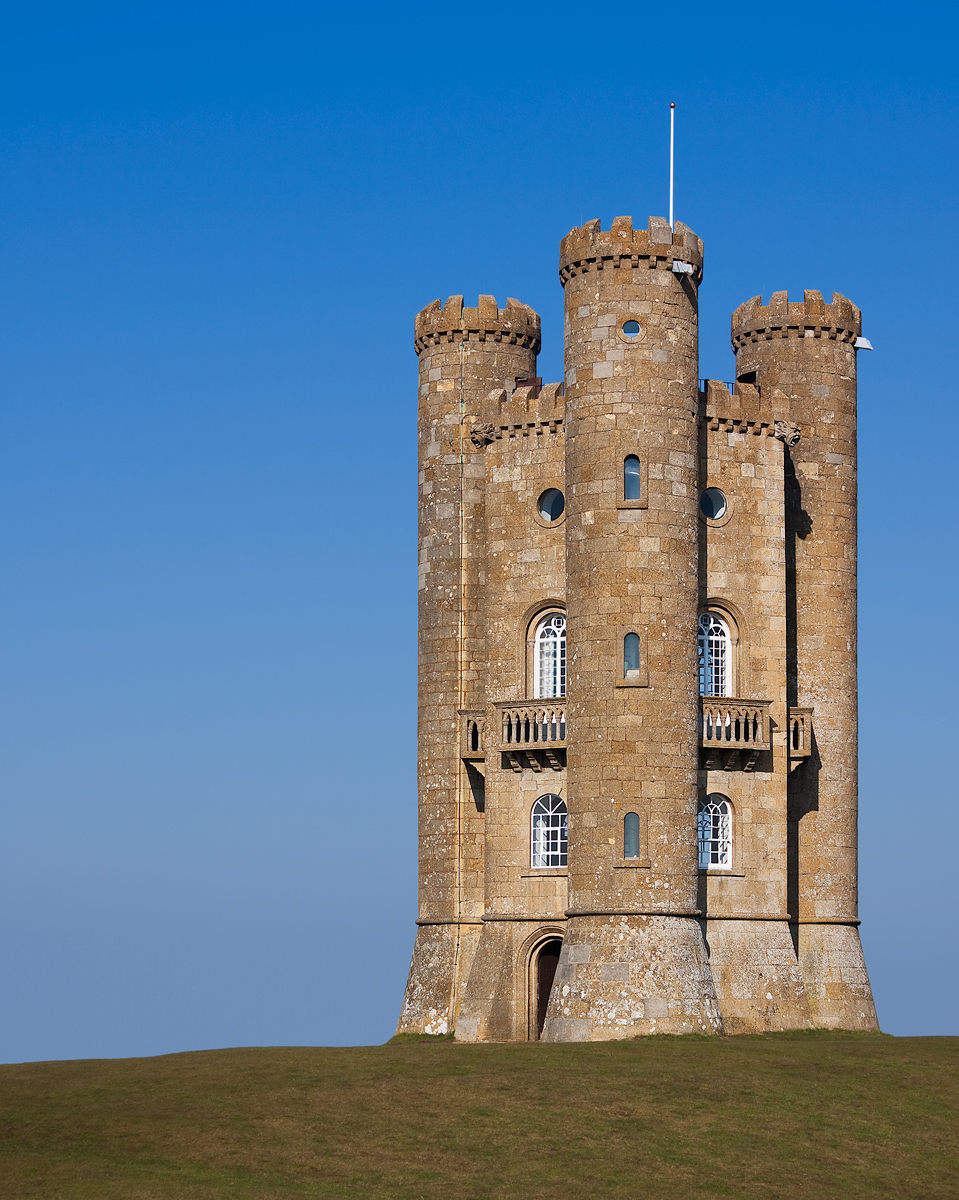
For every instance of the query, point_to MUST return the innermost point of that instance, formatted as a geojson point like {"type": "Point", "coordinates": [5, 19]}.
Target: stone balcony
{"type": "Point", "coordinates": [532, 733]}
{"type": "Point", "coordinates": [799, 736]}
{"type": "Point", "coordinates": [472, 734]}
{"type": "Point", "coordinates": [733, 732]}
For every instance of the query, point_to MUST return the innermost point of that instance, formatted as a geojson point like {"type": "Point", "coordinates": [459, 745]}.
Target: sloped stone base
{"type": "Point", "coordinates": [438, 955]}
{"type": "Point", "coordinates": [757, 978]}
{"type": "Point", "coordinates": [496, 1001]}
{"type": "Point", "coordinates": [622, 976]}
{"type": "Point", "coordinates": [837, 983]}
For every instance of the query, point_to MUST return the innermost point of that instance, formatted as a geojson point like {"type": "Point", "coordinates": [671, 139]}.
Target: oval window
{"type": "Point", "coordinates": [631, 328]}
{"type": "Point", "coordinates": [713, 504]}
{"type": "Point", "coordinates": [552, 504]}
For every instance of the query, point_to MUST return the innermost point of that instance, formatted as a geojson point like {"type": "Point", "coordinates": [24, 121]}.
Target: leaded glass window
{"type": "Point", "coordinates": [715, 676]}
{"type": "Point", "coordinates": [549, 838]}
{"type": "Point", "coordinates": [715, 832]}
{"type": "Point", "coordinates": [550, 656]}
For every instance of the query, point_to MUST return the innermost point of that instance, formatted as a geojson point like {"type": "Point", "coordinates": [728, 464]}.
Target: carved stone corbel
{"type": "Point", "coordinates": [787, 432]}
{"type": "Point", "coordinates": [482, 434]}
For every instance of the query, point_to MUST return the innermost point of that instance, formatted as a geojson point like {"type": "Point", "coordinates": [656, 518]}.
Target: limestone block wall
{"type": "Point", "coordinates": [806, 353]}
{"type": "Point", "coordinates": [744, 582]}
{"type": "Point", "coordinates": [751, 953]}
{"type": "Point", "coordinates": [527, 579]}
{"type": "Point", "coordinates": [632, 389]}
{"type": "Point", "coordinates": [464, 355]}
{"type": "Point", "coordinates": [526, 564]}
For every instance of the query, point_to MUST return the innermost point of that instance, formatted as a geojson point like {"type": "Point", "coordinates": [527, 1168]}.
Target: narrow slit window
{"type": "Point", "coordinates": [632, 485]}
{"type": "Point", "coordinates": [631, 655]}
{"type": "Point", "coordinates": [631, 835]}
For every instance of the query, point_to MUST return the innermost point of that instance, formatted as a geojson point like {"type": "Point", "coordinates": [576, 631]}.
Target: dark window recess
{"type": "Point", "coordinates": [713, 504]}
{"type": "Point", "coordinates": [747, 377]}
{"type": "Point", "coordinates": [551, 504]}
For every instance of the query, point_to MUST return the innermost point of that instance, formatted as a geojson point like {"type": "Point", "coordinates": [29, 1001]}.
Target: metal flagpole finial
{"type": "Point", "coordinates": [672, 131]}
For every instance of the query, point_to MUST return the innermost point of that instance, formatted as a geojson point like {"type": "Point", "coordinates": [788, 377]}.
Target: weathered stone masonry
{"type": "Point", "coordinates": [650, 938]}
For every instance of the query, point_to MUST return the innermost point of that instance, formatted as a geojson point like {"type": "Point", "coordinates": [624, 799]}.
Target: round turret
{"type": "Point", "coordinates": [465, 355]}
{"type": "Point", "coordinates": [811, 317]}
{"type": "Point", "coordinates": [592, 248]}
{"type": "Point", "coordinates": [802, 357]}
{"type": "Point", "coordinates": [632, 576]}
{"type": "Point", "coordinates": [516, 324]}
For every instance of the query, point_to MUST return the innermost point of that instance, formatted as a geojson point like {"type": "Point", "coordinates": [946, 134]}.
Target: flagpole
{"type": "Point", "coordinates": [672, 130]}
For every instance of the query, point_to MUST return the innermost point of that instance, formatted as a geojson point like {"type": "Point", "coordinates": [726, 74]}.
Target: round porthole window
{"type": "Point", "coordinates": [552, 504]}
{"type": "Point", "coordinates": [713, 504]}
{"type": "Point", "coordinates": [631, 328]}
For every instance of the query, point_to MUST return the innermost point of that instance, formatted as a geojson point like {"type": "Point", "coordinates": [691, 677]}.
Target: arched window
{"type": "Point", "coordinates": [715, 674]}
{"type": "Point", "coordinates": [631, 655]}
{"type": "Point", "coordinates": [631, 835]}
{"type": "Point", "coordinates": [549, 656]}
{"type": "Point", "coordinates": [632, 487]}
{"type": "Point", "coordinates": [549, 841]}
{"type": "Point", "coordinates": [715, 832]}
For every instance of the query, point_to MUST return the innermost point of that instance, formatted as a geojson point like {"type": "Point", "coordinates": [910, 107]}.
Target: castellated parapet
{"type": "Point", "coordinates": [637, 683]}
{"type": "Point", "coordinates": [812, 317]}
{"type": "Point", "coordinates": [515, 324]}
{"type": "Point", "coordinates": [590, 247]}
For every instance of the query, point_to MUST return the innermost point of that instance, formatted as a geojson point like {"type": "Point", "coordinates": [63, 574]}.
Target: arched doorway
{"type": "Point", "coordinates": [543, 970]}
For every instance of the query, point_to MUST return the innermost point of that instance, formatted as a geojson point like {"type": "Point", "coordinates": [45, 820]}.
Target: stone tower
{"type": "Point", "coordinates": [805, 356]}
{"type": "Point", "coordinates": [464, 354]}
{"type": "Point", "coordinates": [649, 827]}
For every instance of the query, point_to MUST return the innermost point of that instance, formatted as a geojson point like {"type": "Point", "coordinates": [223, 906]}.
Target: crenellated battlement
{"type": "Point", "coordinates": [811, 317]}
{"type": "Point", "coordinates": [590, 247]}
{"type": "Point", "coordinates": [743, 410]}
{"type": "Point", "coordinates": [528, 409]}
{"type": "Point", "coordinates": [517, 323]}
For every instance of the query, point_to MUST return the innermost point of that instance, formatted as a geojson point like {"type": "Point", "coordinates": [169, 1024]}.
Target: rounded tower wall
{"type": "Point", "coordinates": [465, 354]}
{"type": "Point", "coordinates": [633, 743]}
{"type": "Point", "coordinates": [805, 351]}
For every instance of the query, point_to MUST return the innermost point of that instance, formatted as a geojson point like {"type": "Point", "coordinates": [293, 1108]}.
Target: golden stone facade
{"type": "Point", "coordinates": [637, 662]}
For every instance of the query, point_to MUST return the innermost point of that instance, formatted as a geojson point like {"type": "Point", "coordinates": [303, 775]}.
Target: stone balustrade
{"type": "Point", "coordinates": [733, 732]}
{"type": "Point", "coordinates": [799, 733]}
{"type": "Point", "coordinates": [532, 723]}
{"type": "Point", "coordinates": [472, 733]}
{"type": "Point", "coordinates": [533, 733]}
{"type": "Point", "coordinates": [730, 724]}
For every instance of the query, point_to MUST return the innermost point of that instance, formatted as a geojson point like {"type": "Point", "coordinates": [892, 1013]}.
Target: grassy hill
{"type": "Point", "coordinates": [787, 1115]}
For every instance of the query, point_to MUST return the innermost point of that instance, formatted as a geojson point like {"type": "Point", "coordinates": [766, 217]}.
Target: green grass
{"type": "Point", "coordinates": [785, 1115]}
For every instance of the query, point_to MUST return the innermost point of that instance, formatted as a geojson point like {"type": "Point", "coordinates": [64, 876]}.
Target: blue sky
{"type": "Point", "coordinates": [216, 225]}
